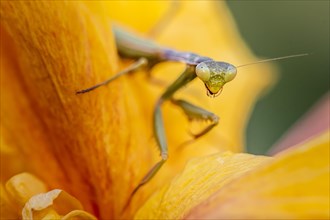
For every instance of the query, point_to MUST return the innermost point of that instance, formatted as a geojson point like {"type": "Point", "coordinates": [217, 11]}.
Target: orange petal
{"type": "Point", "coordinates": [201, 178]}
{"type": "Point", "coordinates": [295, 185]}
{"type": "Point", "coordinates": [52, 49]}
{"type": "Point", "coordinates": [11, 161]}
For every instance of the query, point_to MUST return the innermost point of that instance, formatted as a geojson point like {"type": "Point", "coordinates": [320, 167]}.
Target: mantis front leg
{"type": "Point", "coordinates": [158, 126]}
{"type": "Point", "coordinates": [195, 112]}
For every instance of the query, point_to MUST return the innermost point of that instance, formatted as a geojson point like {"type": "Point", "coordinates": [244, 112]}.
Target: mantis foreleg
{"type": "Point", "coordinates": [142, 62]}
{"type": "Point", "coordinates": [195, 112]}
{"type": "Point", "coordinates": [158, 125]}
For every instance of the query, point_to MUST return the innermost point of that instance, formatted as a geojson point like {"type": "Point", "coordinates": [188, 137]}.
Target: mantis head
{"type": "Point", "coordinates": [215, 75]}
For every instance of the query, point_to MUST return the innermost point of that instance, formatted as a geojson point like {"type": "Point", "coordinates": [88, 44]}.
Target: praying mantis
{"type": "Point", "coordinates": [214, 75]}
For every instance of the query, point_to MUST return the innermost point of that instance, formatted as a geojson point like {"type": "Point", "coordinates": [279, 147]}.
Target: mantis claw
{"type": "Point", "coordinates": [195, 112]}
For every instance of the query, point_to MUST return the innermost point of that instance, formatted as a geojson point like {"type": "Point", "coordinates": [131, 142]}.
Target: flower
{"type": "Point", "coordinates": [97, 146]}
{"type": "Point", "coordinates": [292, 185]}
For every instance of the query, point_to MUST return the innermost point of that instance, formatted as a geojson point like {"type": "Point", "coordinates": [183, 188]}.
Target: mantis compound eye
{"type": "Point", "coordinates": [203, 72]}
{"type": "Point", "coordinates": [230, 73]}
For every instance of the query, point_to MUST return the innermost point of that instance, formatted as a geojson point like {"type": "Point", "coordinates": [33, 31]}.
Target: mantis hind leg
{"type": "Point", "coordinates": [194, 112]}
{"type": "Point", "coordinates": [142, 62]}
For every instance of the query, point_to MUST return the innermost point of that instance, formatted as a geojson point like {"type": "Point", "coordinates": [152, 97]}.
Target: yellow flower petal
{"type": "Point", "coordinates": [141, 15]}
{"type": "Point", "coordinates": [201, 178]}
{"type": "Point", "coordinates": [78, 214]}
{"type": "Point", "coordinates": [295, 185]}
{"type": "Point", "coordinates": [16, 192]}
{"type": "Point", "coordinates": [53, 205]}
{"type": "Point", "coordinates": [24, 196]}
{"type": "Point", "coordinates": [22, 186]}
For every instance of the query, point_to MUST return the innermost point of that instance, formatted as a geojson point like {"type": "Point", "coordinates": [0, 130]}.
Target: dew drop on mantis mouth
{"type": "Point", "coordinates": [214, 75]}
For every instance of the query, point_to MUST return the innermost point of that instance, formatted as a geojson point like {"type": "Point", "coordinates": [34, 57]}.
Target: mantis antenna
{"type": "Point", "coordinates": [276, 58]}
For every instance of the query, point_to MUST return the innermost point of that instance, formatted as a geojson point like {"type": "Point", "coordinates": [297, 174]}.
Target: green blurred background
{"type": "Point", "coordinates": [279, 28]}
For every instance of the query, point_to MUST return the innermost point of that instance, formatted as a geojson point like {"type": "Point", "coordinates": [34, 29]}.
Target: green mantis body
{"type": "Point", "coordinates": [214, 75]}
